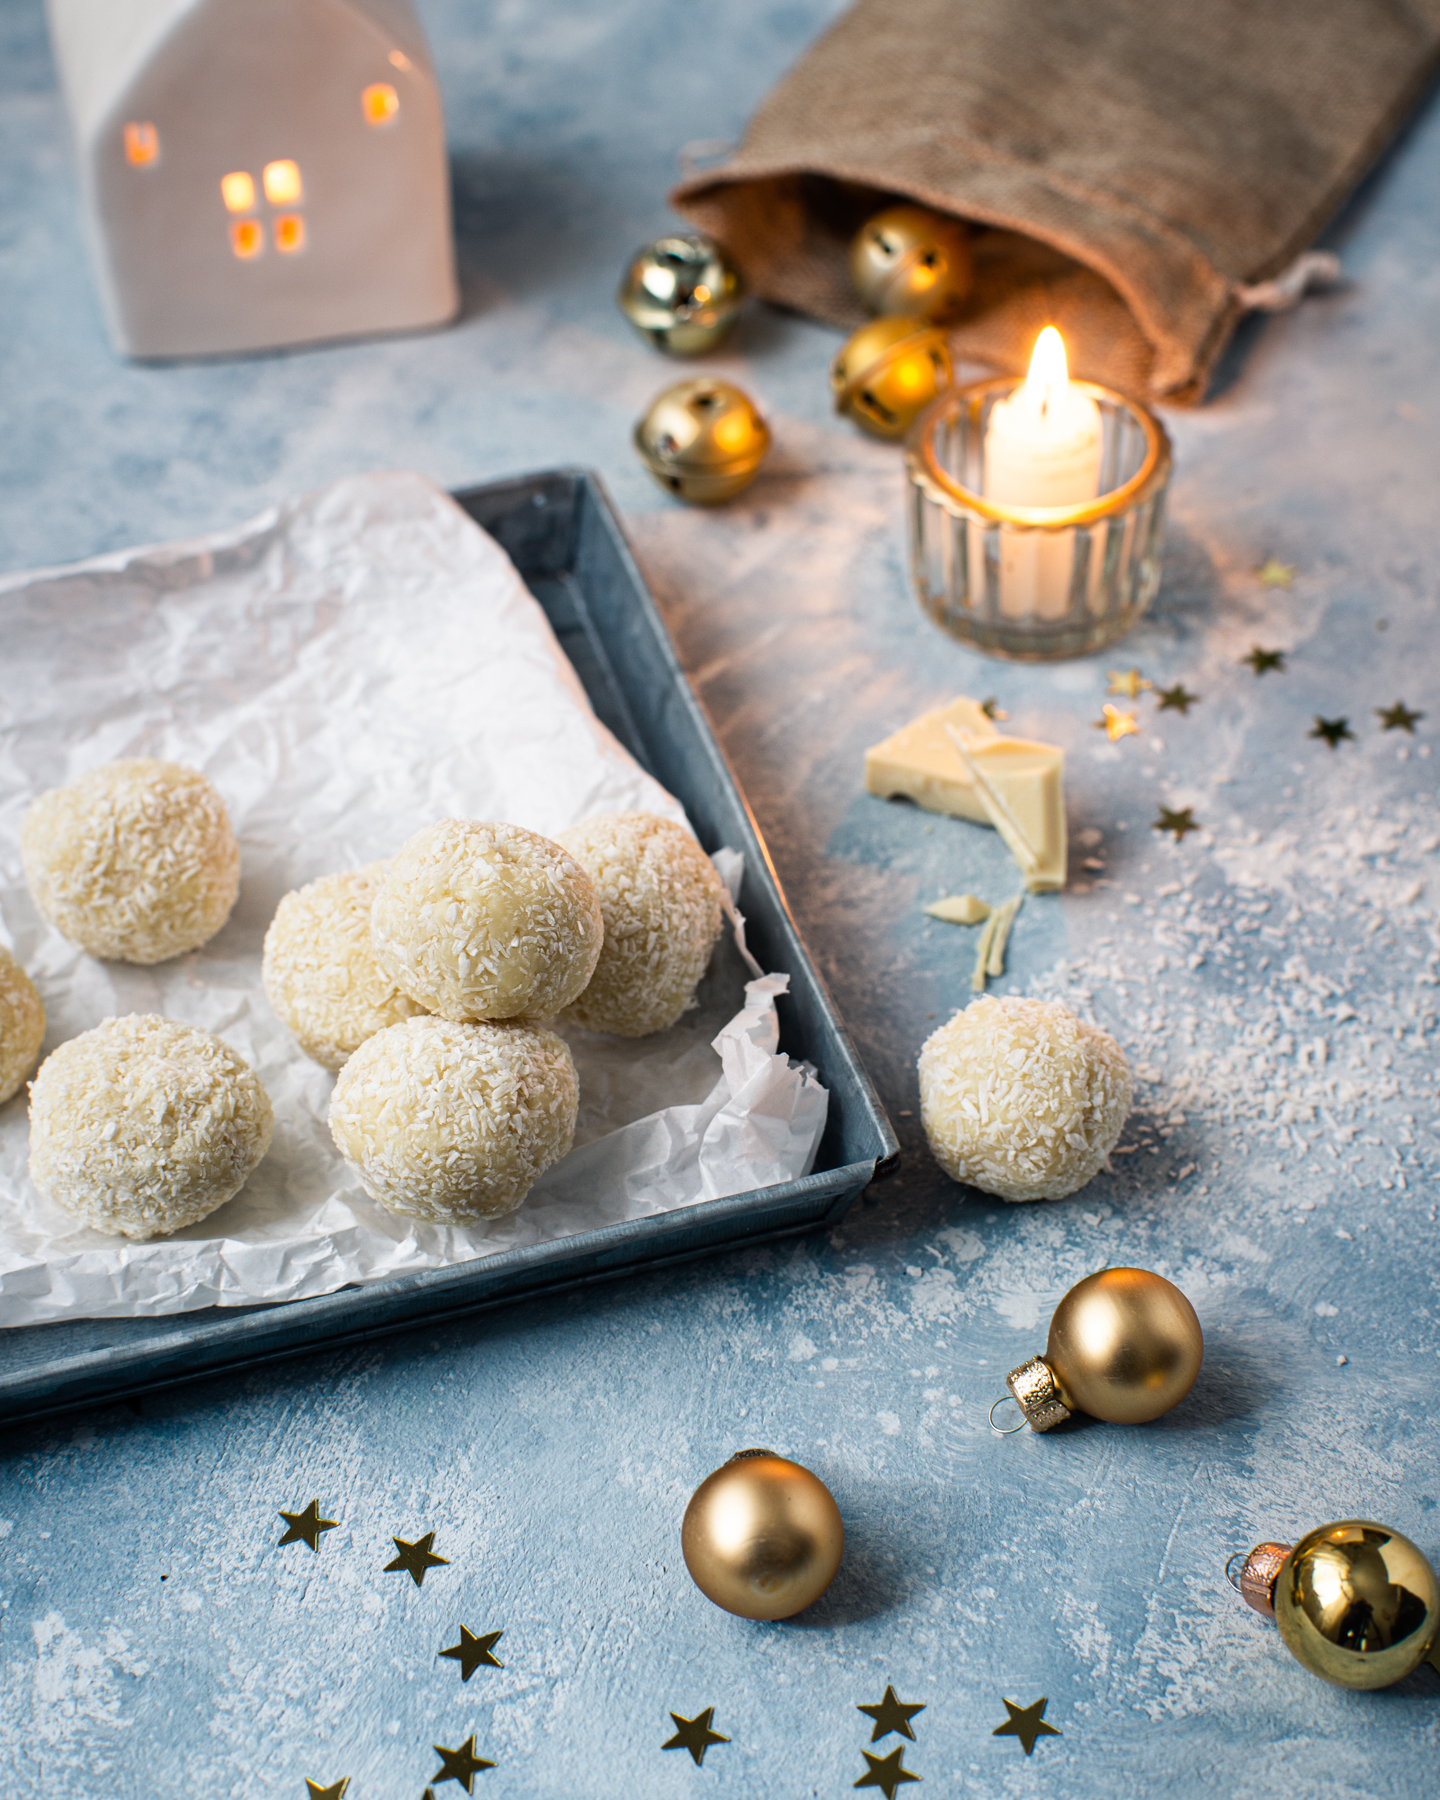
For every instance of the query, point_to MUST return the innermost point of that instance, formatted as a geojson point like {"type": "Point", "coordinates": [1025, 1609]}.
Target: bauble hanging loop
{"type": "Point", "coordinates": [1124, 1346]}
{"type": "Point", "coordinates": [762, 1536]}
{"type": "Point", "coordinates": [682, 293]}
{"type": "Point", "coordinates": [1356, 1603]}
{"type": "Point", "coordinates": [908, 259]}
{"type": "Point", "coordinates": [888, 371]}
{"type": "Point", "coordinates": [703, 440]}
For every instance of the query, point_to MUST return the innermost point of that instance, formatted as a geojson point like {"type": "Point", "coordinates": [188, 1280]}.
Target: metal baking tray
{"type": "Point", "coordinates": [562, 534]}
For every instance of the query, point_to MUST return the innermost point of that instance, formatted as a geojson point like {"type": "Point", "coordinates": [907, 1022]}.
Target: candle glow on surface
{"type": "Point", "coordinates": [1043, 448]}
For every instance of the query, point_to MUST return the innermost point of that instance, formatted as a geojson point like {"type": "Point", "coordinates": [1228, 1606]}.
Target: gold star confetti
{"type": "Point", "coordinates": [992, 709]}
{"type": "Point", "coordinates": [472, 1651]}
{"type": "Point", "coordinates": [885, 1772]}
{"type": "Point", "coordinates": [1117, 724]}
{"type": "Point", "coordinates": [1332, 730]}
{"type": "Point", "coordinates": [461, 1765]}
{"type": "Point", "coordinates": [1398, 717]}
{"type": "Point", "coordinates": [1262, 661]}
{"type": "Point", "coordinates": [694, 1735]}
{"type": "Point", "coordinates": [1175, 699]}
{"type": "Point", "coordinates": [305, 1527]}
{"type": "Point", "coordinates": [1178, 822]}
{"type": "Point", "coordinates": [415, 1558]}
{"type": "Point", "coordinates": [892, 1714]}
{"type": "Point", "coordinates": [336, 1790]}
{"type": "Point", "coordinates": [1027, 1723]}
{"type": "Point", "coordinates": [1129, 682]}
{"type": "Point", "coordinates": [1273, 574]}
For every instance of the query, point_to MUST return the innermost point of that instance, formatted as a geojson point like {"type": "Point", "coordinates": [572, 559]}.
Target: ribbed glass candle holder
{"type": "Point", "coordinates": [1035, 583]}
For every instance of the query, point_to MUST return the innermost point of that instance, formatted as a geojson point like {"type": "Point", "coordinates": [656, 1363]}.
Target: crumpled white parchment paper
{"type": "Point", "coordinates": [345, 668]}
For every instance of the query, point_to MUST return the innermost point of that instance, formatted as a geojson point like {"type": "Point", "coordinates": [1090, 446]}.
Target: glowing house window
{"type": "Point", "coordinates": [247, 238]}
{"type": "Point", "coordinates": [379, 103]}
{"type": "Point", "coordinates": [289, 233]}
{"type": "Point", "coordinates": [142, 144]}
{"type": "Point", "coordinates": [238, 191]}
{"type": "Point", "coordinates": [283, 186]}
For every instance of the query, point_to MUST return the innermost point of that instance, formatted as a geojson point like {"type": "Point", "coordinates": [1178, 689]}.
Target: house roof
{"type": "Point", "coordinates": [101, 45]}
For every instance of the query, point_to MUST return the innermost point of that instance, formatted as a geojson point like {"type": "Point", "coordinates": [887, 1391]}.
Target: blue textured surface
{"type": "Point", "coordinates": [1280, 1002]}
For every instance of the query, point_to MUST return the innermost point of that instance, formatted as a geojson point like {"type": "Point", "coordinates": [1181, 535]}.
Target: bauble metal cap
{"type": "Point", "coordinates": [703, 440]}
{"type": "Point", "coordinates": [682, 293]}
{"type": "Point", "coordinates": [888, 371]}
{"type": "Point", "coordinates": [908, 259]}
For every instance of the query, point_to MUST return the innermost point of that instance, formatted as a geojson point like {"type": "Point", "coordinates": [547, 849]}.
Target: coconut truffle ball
{"type": "Point", "coordinates": [660, 900]}
{"type": "Point", "coordinates": [1022, 1099]}
{"type": "Point", "coordinates": [22, 1024]}
{"type": "Point", "coordinates": [135, 862]}
{"type": "Point", "coordinates": [479, 921]}
{"type": "Point", "coordinates": [143, 1126]}
{"type": "Point", "coordinates": [454, 1123]}
{"type": "Point", "coordinates": [320, 970]}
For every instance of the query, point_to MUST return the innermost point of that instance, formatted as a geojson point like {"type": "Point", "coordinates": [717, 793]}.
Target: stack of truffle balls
{"type": "Point", "coordinates": [425, 982]}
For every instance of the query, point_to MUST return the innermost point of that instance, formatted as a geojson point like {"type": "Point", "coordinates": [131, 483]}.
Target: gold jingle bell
{"type": "Point", "coordinates": [888, 371]}
{"type": "Point", "coordinates": [703, 440]}
{"type": "Point", "coordinates": [762, 1536]}
{"type": "Point", "coordinates": [908, 259]}
{"type": "Point", "coordinates": [1124, 1346]}
{"type": "Point", "coordinates": [682, 294]}
{"type": "Point", "coordinates": [1356, 1603]}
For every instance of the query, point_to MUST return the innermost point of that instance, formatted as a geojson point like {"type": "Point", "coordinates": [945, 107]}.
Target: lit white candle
{"type": "Point", "coordinates": [1042, 448]}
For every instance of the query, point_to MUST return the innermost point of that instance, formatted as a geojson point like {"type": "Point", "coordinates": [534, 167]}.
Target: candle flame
{"type": "Point", "coordinates": [1049, 375]}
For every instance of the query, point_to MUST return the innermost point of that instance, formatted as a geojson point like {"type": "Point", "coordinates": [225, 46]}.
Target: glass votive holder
{"type": "Point", "coordinates": [1035, 582]}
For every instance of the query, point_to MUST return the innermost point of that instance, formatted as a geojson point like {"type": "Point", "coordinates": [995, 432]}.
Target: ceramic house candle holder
{"type": "Point", "coordinates": [258, 173]}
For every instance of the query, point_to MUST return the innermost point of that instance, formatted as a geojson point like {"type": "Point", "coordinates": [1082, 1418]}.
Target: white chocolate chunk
{"type": "Point", "coordinates": [1020, 783]}
{"type": "Point", "coordinates": [959, 909]}
{"type": "Point", "coordinates": [919, 762]}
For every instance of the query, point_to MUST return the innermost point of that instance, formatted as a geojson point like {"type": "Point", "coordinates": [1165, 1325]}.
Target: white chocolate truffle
{"type": "Point", "coordinates": [320, 969]}
{"type": "Point", "coordinates": [1022, 1099]}
{"type": "Point", "coordinates": [454, 1123]}
{"type": "Point", "coordinates": [143, 1126]}
{"type": "Point", "coordinates": [660, 900]}
{"type": "Point", "coordinates": [479, 921]}
{"type": "Point", "coordinates": [22, 1024]}
{"type": "Point", "coordinates": [135, 862]}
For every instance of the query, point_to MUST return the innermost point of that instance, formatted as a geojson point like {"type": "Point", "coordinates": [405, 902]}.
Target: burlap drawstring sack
{"type": "Point", "coordinates": [1147, 168]}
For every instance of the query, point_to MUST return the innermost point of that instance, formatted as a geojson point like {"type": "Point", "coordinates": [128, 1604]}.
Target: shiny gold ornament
{"type": "Point", "coordinates": [703, 440]}
{"type": "Point", "coordinates": [682, 294]}
{"type": "Point", "coordinates": [888, 371]}
{"type": "Point", "coordinates": [1356, 1603]}
{"type": "Point", "coordinates": [762, 1537]}
{"type": "Point", "coordinates": [1124, 1346]}
{"type": "Point", "coordinates": [908, 259]}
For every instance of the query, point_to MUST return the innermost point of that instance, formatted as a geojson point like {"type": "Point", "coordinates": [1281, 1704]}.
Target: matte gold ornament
{"type": "Point", "coordinates": [1124, 1346]}
{"type": "Point", "coordinates": [703, 440]}
{"type": "Point", "coordinates": [888, 371]}
{"type": "Point", "coordinates": [682, 293]}
{"type": "Point", "coordinates": [1356, 1603]}
{"type": "Point", "coordinates": [762, 1536]}
{"type": "Point", "coordinates": [908, 259]}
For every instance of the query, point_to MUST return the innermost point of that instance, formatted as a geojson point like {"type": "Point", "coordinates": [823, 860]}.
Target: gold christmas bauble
{"type": "Point", "coordinates": [703, 440]}
{"type": "Point", "coordinates": [682, 293]}
{"type": "Point", "coordinates": [762, 1537]}
{"type": "Point", "coordinates": [1357, 1604]}
{"type": "Point", "coordinates": [888, 371]}
{"type": "Point", "coordinates": [1124, 1346]}
{"type": "Point", "coordinates": [908, 259]}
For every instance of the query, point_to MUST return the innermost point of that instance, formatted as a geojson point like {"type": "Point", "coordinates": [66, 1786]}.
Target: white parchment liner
{"type": "Point", "coordinates": [345, 668]}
